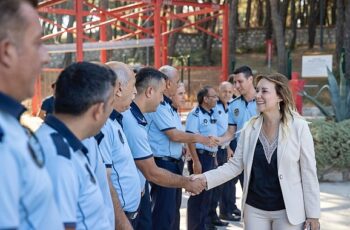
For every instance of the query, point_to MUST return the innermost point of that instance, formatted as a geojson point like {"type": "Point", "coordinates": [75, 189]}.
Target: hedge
{"type": "Point", "coordinates": [332, 145]}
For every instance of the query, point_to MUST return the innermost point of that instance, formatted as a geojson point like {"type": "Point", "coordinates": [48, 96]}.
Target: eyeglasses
{"type": "Point", "coordinates": [213, 96]}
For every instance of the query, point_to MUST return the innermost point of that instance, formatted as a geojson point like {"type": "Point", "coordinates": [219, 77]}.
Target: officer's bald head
{"type": "Point", "coordinates": [122, 70]}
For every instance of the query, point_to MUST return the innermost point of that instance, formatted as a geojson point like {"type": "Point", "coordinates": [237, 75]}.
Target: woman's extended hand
{"type": "Point", "coordinates": [312, 224]}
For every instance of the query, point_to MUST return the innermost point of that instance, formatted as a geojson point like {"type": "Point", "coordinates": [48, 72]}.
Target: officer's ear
{"type": "Point", "coordinates": [118, 89]}
{"type": "Point", "coordinates": [168, 84]}
{"type": "Point", "coordinates": [7, 52]}
{"type": "Point", "coordinates": [97, 110]}
{"type": "Point", "coordinates": [149, 91]}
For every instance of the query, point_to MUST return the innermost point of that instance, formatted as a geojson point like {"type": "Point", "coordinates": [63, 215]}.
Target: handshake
{"type": "Point", "coordinates": [196, 183]}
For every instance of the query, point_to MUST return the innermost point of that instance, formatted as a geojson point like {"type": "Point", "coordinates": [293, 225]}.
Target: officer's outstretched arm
{"type": "Point", "coordinates": [164, 177]}
{"type": "Point", "coordinates": [176, 135]}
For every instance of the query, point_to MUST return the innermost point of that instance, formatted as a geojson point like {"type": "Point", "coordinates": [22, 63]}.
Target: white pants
{"type": "Point", "coordinates": [257, 219]}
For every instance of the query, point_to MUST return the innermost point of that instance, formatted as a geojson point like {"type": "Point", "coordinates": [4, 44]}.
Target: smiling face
{"type": "Point", "coordinates": [179, 98]}
{"type": "Point", "coordinates": [267, 99]}
{"type": "Point", "coordinates": [211, 98]}
{"type": "Point", "coordinates": [243, 84]}
{"type": "Point", "coordinates": [225, 92]}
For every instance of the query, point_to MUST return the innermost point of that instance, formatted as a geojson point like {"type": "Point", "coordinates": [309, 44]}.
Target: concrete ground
{"type": "Point", "coordinates": [335, 207]}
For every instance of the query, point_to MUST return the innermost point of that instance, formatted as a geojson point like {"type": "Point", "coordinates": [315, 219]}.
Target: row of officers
{"type": "Point", "coordinates": [110, 156]}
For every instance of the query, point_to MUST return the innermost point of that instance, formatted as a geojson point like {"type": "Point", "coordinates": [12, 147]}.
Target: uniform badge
{"type": "Point", "coordinates": [205, 121]}
{"type": "Point", "coordinates": [220, 112]}
{"type": "Point", "coordinates": [236, 112]}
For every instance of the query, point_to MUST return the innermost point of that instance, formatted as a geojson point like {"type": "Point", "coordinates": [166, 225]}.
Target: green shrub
{"type": "Point", "coordinates": [332, 145]}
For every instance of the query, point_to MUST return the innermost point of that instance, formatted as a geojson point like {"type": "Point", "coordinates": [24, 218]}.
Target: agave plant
{"type": "Point", "coordinates": [340, 95]}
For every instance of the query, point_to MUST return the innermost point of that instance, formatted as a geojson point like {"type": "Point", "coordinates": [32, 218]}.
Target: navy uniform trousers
{"type": "Point", "coordinates": [144, 219]}
{"type": "Point", "coordinates": [198, 206]}
{"type": "Point", "coordinates": [166, 202]}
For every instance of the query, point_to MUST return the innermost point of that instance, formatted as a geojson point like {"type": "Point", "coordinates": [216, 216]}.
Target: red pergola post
{"type": "Point", "coordinates": [103, 37]}
{"type": "Point", "coordinates": [225, 43]}
{"type": "Point", "coordinates": [157, 34]}
{"type": "Point", "coordinates": [165, 43]}
{"type": "Point", "coordinates": [79, 29]}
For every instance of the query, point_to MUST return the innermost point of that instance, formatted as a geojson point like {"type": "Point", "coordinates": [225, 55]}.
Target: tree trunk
{"type": "Point", "coordinates": [174, 37]}
{"type": "Point", "coordinates": [233, 32]}
{"type": "Point", "coordinates": [294, 25]}
{"type": "Point", "coordinates": [339, 30]}
{"type": "Point", "coordinates": [284, 12]}
{"type": "Point", "coordinates": [248, 13]}
{"type": "Point", "coordinates": [347, 40]}
{"type": "Point", "coordinates": [312, 23]}
{"type": "Point", "coordinates": [280, 39]}
{"type": "Point", "coordinates": [268, 22]}
{"type": "Point", "coordinates": [260, 13]}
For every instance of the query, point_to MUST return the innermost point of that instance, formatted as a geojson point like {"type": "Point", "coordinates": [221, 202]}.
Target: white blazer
{"type": "Point", "coordinates": [296, 167]}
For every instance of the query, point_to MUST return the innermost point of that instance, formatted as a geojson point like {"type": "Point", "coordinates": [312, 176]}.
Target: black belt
{"type": "Point", "coordinates": [202, 151]}
{"type": "Point", "coordinates": [174, 160]}
{"type": "Point", "coordinates": [131, 215]}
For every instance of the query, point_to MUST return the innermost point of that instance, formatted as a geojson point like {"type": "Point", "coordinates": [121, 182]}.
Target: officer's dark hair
{"type": "Point", "coordinates": [246, 70]}
{"type": "Point", "coordinates": [81, 85]}
{"type": "Point", "coordinates": [11, 19]}
{"type": "Point", "coordinates": [231, 78]}
{"type": "Point", "coordinates": [203, 92]}
{"type": "Point", "coordinates": [148, 76]}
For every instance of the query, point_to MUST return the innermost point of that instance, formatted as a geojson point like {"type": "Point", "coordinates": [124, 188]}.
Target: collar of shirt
{"type": "Point", "coordinates": [115, 115]}
{"type": "Point", "coordinates": [167, 100]}
{"type": "Point", "coordinates": [205, 111]}
{"type": "Point", "coordinates": [62, 129]}
{"type": "Point", "coordinates": [11, 106]}
{"type": "Point", "coordinates": [246, 102]}
{"type": "Point", "coordinates": [98, 137]}
{"type": "Point", "coordinates": [173, 108]}
{"type": "Point", "coordinates": [222, 103]}
{"type": "Point", "coordinates": [136, 112]}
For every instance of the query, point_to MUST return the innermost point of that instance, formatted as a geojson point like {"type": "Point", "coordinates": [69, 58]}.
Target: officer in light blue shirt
{"type": "Point", "coordinates": [150, 85]}
{"type": "Point", "coordinates": [121, 166]}
{"type": "Point", "coordinates": [84, 99]}
{"type": "Point", "coordinates": [241, 109]}
{"type": "Point", "coordinates": [27, 199]}
{"type": "Point", "coordinates": [201, 120]}
{"type": "Point", "coordinates": [166, 135]}
{"type": "Point", "coordinates": [26, 194]}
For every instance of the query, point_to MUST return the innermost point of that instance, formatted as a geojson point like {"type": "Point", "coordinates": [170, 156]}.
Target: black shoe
{"type": "Point", "coordinates": [229, 217]}
{"type": "Point", "coordinates": [218, 222]}
{"type": "Point", "coordinates": [237, 212]}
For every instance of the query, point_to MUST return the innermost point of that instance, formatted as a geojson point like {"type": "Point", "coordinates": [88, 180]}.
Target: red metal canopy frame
{"type": "Point", "coordinates": [155, 33]}
{"type": "Point", "coordinates": [156, 12]}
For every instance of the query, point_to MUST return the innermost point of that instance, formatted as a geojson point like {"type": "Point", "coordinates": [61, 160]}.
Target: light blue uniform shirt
{"type": "Point", "coordinates": [134, 124]}
{"type": "Point", "coordinates": [165, 118]}
{"type": "Point", "coordinates": [77, 192]}
{"type": "Point", "coordinates": [221, 116]}
{"type": "Point", "coordinates": [125, 177]}
{"type": "Point", "coordinates": [203, 122]}
{"type": "Point", "coordinates": [26, 194]}
{"type": "Point", "coordinates": [240, 111]}
{"type": "Point", "coordinates": [99, 168]}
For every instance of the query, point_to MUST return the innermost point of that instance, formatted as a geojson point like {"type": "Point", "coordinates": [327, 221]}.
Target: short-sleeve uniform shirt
{"type": "Point", "coordinates": [134, 124]}
{"type": "Point", "coordinates": [99, 168]}
{"type": "Point", "coordinates": [124, 175]}
{"type": "Point", "coordinates": [203, 122]}
{"type": "Point", "coordinates": [26, 194]}
{"type": "Point", "coordinates": [240, 111]}
{"type": "Point", "coordinates": [77, 192]}
{"type": "Point", "coordinates": [165, 118]}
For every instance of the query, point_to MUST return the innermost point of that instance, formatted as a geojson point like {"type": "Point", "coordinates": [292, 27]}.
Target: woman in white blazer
{"type": "Point", "coordinates": [276, 152]}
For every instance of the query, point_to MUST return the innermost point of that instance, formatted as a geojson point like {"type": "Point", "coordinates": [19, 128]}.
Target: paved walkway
{"type": "Point", "coordinates": [335, 207]}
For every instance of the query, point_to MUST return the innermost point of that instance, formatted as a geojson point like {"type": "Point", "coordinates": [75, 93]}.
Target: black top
{"type": "Point", "coordinates": [264, 190]}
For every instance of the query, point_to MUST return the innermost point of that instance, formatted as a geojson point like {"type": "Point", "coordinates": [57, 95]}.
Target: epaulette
{"type": "Point", "coordinates": [196, 112]}
{"type": "Point", "coordinates": [1, 134]}
{"type": "Point", "coordinates": [61, 146]}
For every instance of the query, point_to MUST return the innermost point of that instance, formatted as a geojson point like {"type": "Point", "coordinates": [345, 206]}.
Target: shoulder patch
{"type": "Point", "coordinates": [61, 146]}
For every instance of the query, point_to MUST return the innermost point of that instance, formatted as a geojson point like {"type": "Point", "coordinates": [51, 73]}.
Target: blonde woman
{"type": "Point", "coordinates": [276, 151]}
